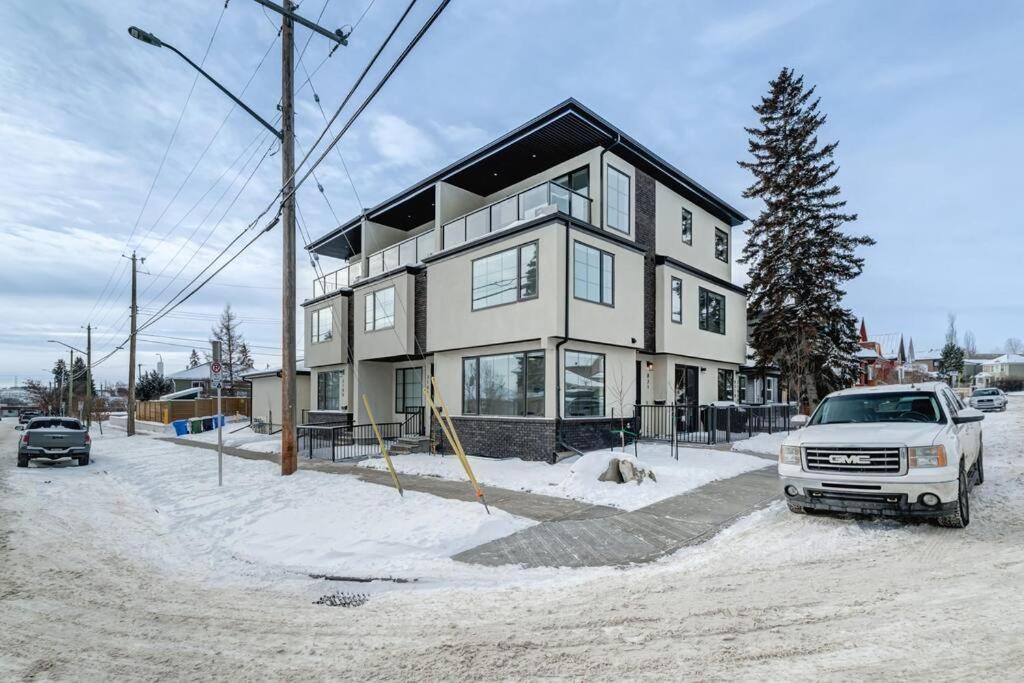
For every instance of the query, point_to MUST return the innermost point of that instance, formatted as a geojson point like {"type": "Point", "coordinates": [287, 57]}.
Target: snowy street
{"type": "Point", "coordinates": [105, 577]}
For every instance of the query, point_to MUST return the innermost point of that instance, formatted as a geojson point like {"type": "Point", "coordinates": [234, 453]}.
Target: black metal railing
{"type": "Point", "coordinates": [709, 424]}
{"type": "Point", "coordinates": [414, 423]}
{"type": "Point", "coordinates": [336, 442]}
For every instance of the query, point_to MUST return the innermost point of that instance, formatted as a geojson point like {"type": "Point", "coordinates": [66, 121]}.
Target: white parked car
{"type": "Point", "coordinates": [988, 399]}
{"type": "Point", "coordinates": [899, 450]}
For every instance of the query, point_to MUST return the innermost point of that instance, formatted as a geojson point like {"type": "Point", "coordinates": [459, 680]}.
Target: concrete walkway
{"type": "Point", "coordinates": [572, 533]}
{"type": "Point", "coordinates": [533, 506]}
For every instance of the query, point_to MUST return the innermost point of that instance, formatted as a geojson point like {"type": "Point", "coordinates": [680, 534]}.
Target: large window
{"type": "Point", "coordinates": [721, 245]}
{"type": "Point", "coordinates": [507, 384]}
{"type": "Point", "coordinates": [584, 384]}
{"type": "Point", "coordinates": [686, 230]}
{"type": "Point", "coordinates": [618, 200]}
{"type": "Point", "coordinates": [505, 277]}
{"type": "Point", "coordinates": [577, 181]}
{"type": "Point", "coordinates": [408, 389]}
{"type": "Point", "coordinates": [328, 389]}
{"type": "Point", "coordinates": [379, 309]}
{"type": "Point", "coordinates": [593, 275]}
{"type": "Point", "coordinates": [712, 311]}
{"type": "Point", "coordinates": [725, 385]}
{"type": "Point", "coordinates": [677, 300]}
{"type": "Point", "coordinates": [321, 324]}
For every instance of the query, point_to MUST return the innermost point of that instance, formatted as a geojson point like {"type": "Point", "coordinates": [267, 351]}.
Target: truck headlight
{"type": "Point", "coordinates": [927, 456]}
{"type": "Point", "coordinates": [789, 455]}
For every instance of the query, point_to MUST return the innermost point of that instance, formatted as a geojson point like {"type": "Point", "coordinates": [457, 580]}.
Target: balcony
{"type": "Point", "coordinates": [405, 253]}
{"type": "Point", "coordinates": [526, 205]}
{"type": "Point", "coordinates": [339, 279]}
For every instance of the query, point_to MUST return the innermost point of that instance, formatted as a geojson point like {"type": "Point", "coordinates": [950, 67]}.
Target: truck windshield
{"type": "Point", "coordinates": [986, 392]}
{"type": "Point", "coordinates": [54, 423]}
{"type": "Point", "coordinates": [891, 407]}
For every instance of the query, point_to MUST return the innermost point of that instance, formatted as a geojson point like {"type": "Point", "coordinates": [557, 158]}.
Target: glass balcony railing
{"type": "Point", "coordinates": [332, 282]}
{"type": "Point", "coordinates": [405, 253]}
{"type": "Point", "coordinates": [523, 206]}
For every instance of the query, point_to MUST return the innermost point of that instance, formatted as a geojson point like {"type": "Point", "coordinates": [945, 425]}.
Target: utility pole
{"type": "Point", "coordinates": [289, 448]}
{"type": "Point", "coordinates": [130, 423]}
{"type": "Point", "coordinates": [88, 377]}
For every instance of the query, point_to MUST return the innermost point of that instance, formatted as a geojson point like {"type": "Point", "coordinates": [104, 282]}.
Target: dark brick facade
{"type": "Point", "coordinates": [529, 439]}
{"type": "Point", "coordinates": [351, 331]}
{"type": "Point", "coordinates": [645, 237]}
{"type": "Point", "coordinates": [420, 311]}
{"type": "Point", "coordinates": [317, 417]}
{"type": "Point", "coordinates": [590, 434]}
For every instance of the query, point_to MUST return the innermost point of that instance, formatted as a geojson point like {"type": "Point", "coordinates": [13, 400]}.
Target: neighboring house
{"type": "Point", "coordinates": [877, 364]}
{"type": "Point", "coordinates": [1009, 366]}
{"type": "Point", "coordinates": [758, 385]}
{"type": "Point", "coordinates": [266, 393]}
{"type": "Point", "coordinates": [197, 377]}
{"type": "Point", "coordinates": [976, 365]}
{"type": "Point", "coordinates": [548, 281]}
{"type": "Point", "coordinates": [929, 360]}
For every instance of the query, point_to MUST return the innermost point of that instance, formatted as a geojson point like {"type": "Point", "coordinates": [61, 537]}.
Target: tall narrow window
{"type": "Point", "coordinates": [408, 389]}
{"type": "Point", "coordinates": [505, 277]}
{"type": "Point", "coordinates": [593, 274]}
{"type": "Point", "coordinates": [686, 230]}
{"type": "Point", "coordinates": [711, 316]}
{"type": "Point", "coordinates": [584, 384]}
{"type": "Point", "coordinates": [677, 300]}
{"type": "Point", "coordinates": [618, 200]}
{"type": "Point", "coordinates": [328, 389]}
{"type": "Point", "coordinates": [379, 310]}
{"type": "Point", "coordinates": [321, 324]}
{"type": "Point", "coordinates": [725, 384]}
{"type": "Point", "coordinates": [721, 245]}
{"type": "Point", "coordinates": [505, 384]}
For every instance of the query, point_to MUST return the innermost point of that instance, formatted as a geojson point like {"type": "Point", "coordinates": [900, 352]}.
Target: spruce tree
{"type": "Point", "coordinates": [797, 254]}
{"type": "Point", "coordinates": [243, 359]}
{"type": "Point", "coordinates": [227, 333]}
{"type": "Point", "coordinates": [193, 360]}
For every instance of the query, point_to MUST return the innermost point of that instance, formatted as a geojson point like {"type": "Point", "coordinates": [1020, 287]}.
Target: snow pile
{"type": "Point", "coordinates": [769, 444]}
{"type": "Point", "coordinates": [311, 522]}
{"type": "Point", "coordinates": [577, 478]}
{"type": "Point", "coordinates": [245, 439]}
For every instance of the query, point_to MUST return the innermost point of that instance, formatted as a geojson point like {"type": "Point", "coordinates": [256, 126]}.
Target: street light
{"type": "Point", "coordinates": [149, 39]}
{"type": "Point", "coordinates": [71, 368]}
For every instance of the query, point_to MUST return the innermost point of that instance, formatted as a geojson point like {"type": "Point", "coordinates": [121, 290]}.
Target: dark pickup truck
{"type": "Point", "coordinates": [53, 438]}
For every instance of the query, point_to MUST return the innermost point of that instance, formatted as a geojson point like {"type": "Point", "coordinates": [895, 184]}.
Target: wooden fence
{"type": "Point", "coordinates": [166, 412]}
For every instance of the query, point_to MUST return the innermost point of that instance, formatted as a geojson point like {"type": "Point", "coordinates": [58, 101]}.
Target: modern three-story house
{"type": "Point", "coordinates": [549, 281]}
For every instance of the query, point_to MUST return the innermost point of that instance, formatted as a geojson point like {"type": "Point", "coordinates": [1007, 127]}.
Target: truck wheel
{"type": "Point", "coordinates": [961, 517]}
{"type": "Point", "coordinates": [22, 461]}
{"type": "Point", "coordinates": [795, 508]}
{"type": "Point", "coordinates": [83, 461]}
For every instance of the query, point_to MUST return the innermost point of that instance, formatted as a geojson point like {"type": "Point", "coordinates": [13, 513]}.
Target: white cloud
{"type": "Point", "coordinates": [400, 142]}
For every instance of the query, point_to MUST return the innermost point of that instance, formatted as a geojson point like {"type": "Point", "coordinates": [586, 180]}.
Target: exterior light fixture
{"type": "Point", "coordinates": [145, 36]}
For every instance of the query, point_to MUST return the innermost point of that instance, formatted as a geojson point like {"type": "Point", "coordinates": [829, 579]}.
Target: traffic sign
{"type": "Point", "coordinates": [216, 374]}
{"type": "Point", "coordinates": [215, 367]}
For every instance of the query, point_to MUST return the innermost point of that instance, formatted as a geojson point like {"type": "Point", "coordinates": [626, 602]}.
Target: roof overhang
{"type": "Point", "coordinates": [557, 135]}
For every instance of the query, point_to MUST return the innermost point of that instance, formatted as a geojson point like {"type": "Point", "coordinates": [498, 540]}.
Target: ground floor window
{"type": "Point", "coordinates": [506, 384]}
{"type": "Point", "coordinates": [408, 389]}
{"type": "Point", "coordinates": [584, 384]}
{"type": "Point", "coordinates": [744, 396]}
{"type": "Point", "coordinates": [771, 394]}
{"type": "Point", "coordinates": [328, 389]}
{"type": "Point", "coordinates": [725, 385]}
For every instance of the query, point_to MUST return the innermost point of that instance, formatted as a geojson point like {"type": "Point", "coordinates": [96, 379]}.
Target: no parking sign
{"type": "Point", "coordinates": [216, 377]}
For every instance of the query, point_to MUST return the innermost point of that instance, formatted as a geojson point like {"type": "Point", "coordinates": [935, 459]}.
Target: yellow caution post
{"type": "Point", "coordinates": [448, 427]}
{"type": "Point", "coordinates": [383, 448]}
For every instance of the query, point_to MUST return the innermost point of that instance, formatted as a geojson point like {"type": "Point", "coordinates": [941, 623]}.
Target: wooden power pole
{"type": "Point", "coordinates": [88, 376]}
{"type": "Point", "coordinates": [130, 423]}
{"type": "Point", "coordinates": [289, 461]}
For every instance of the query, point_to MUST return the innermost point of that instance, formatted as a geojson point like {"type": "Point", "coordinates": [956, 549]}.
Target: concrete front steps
{"type": "Point", "coordinates": [410, 444]}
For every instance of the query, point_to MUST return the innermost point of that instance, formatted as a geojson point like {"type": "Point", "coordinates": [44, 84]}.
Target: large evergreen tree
{"type": "Point", "coordinates": [152, 385]}
{"type": "Point", "coordinates": [193, 360]}
{"type": "Point", "coordinates": [235, 355]}
{"type": "Point", "coordinates": [797, 253]}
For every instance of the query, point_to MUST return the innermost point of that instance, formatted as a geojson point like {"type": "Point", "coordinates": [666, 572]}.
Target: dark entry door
{"type": "Point", "coordinates": [686, 384]}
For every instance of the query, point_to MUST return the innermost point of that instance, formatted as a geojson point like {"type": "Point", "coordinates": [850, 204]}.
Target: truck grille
{"type": "Point", "coordinates": [854, 460]}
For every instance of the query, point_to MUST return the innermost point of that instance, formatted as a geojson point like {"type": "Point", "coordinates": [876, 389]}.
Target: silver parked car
{"type": "Point", "coordinates": [988, 399]}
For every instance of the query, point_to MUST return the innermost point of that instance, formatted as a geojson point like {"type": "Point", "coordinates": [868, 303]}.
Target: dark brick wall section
{"type": "Point", "coordinates": [316, 417]}
{"type": "Point", "coordinates": [645, 237]}
{"type": "Point", "coordinates": [528, 439]}
{"type": "Point", "coordinates": [351, 332]}
{"type": "Point", "coordinates": [591, 434]}
{"type": "Point", "coordinates": [420, 311]}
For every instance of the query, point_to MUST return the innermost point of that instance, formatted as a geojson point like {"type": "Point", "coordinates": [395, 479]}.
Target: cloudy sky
{"type": "Point", "coordinates": [924, 97]}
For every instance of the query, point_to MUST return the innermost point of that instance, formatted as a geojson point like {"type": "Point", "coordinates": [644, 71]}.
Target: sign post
{"type": "Point", "coordinates": [217, 380]}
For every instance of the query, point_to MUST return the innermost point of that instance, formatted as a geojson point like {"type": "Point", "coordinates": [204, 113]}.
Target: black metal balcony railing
{"type": "Point", "coordinates": [523, 206]}
{"type": "Point", "coordinates": [332, 282]}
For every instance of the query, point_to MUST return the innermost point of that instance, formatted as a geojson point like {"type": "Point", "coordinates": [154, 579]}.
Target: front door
{"type": "Point", "coordinates": [686, 397]}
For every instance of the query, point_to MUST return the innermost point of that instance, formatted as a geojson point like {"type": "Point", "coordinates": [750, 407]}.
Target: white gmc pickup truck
{"type": "Point", "coordinates": [899, 450]}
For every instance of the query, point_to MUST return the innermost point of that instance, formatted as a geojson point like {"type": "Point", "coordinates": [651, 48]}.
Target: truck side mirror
{"type": "Point", "coordinates": [800, 420]}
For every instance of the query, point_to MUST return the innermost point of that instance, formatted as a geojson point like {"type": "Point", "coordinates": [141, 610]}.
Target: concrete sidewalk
{"type": "Point", "coordinates": [572, 533]}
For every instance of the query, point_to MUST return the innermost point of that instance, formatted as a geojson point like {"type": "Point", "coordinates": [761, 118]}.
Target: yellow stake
{"type": "Point", "coordinates": [453, 439]}
{"type": "Point", "coordinates": [383, 448]}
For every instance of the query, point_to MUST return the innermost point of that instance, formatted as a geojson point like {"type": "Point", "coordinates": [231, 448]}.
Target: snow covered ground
{"type": "Point", "coordinates": [767, 444]}
{"type": "Point", "coordinates": [237, 436]}
{"type": "Point", "coordinates": [577, 478]}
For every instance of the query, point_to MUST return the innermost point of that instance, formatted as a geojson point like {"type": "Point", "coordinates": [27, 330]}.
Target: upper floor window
{"type": "Point", "coordinates": [618, 200]}
{"type": "Point", "coordinates": [593, 275]}
{"type": "Point", "coordinates": [721, 245]}
{"type": "Point", "coordinates": [577, 181]}
{"type": "Point", "coordinates": [686, 230]}
{"type": "Point", "coordinates": [321, 325]}
{"type": "Point", "coordinates": [712, 311]}
{"type": "Point", "coordinates": [379, 310]}
{"type": "Point", "coordinates": [677, 300]}
{"type": "Point", "coordinates": [505, 277]}
{"type": "Point", "coordinates": [506, 384]}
